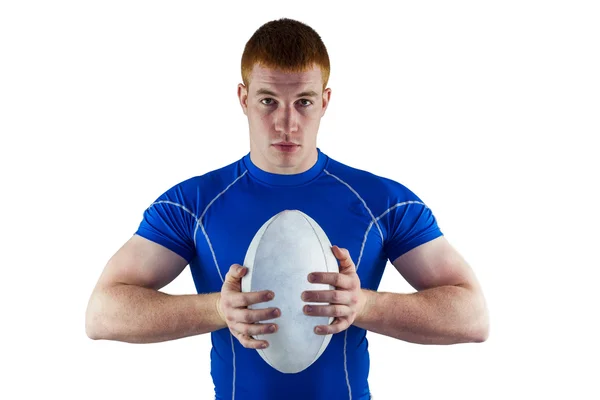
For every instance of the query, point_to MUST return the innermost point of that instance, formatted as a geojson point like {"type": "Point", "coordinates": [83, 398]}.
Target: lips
{"type": "Point", "coordinates": [286, 147]}
{"type": "Point", "coordinates": [286, 144]}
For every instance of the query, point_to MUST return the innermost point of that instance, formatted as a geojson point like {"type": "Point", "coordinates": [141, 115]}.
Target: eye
{"type": "Point", "coordinates": [263, 101]}
{"type": "Point", "coordinates": [308, 101]}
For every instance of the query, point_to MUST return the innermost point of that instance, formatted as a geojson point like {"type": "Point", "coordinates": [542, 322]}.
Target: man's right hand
{"type": "Point", "coordinates": [243, 323]}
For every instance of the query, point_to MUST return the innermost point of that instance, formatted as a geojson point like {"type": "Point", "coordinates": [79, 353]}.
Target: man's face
{"type": "Point", "coordinates": [284, 111]}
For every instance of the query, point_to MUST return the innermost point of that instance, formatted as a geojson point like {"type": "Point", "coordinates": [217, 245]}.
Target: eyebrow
{"type": "Point", "coordinates": [308, 93]}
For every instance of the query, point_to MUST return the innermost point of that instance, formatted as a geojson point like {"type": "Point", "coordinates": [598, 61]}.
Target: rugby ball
{"type": "Point", "coordinates": [283, 252]}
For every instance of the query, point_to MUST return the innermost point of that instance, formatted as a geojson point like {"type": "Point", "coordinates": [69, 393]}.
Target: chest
{"type": "Point", "coordinates": [228, 227]}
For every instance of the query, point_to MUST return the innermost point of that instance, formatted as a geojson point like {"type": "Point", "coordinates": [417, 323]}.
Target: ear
{"type": "Point", "coordinates": [242, 92]}
{"type": "Point", "coordinates": [325, 100]}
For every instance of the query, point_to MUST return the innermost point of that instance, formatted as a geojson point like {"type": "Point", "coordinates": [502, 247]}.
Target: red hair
{"type": "Point", "coordinates": [287, 45]}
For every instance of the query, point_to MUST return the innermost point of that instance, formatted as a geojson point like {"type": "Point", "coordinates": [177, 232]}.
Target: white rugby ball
{"type": "Point", "coordinates": [283, 252]}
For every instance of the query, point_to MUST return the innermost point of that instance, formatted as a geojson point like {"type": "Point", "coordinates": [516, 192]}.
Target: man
{"type": "Point", "coordinates": [209, 221]}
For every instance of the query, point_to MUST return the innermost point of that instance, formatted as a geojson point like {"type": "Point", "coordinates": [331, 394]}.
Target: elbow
{"type": "Point", "coordinates": [94, 326]}
{"type": "Point", "coordinates": [481, 335]}
{"type": "Point", "coordinates": [477, 328]}
{"type": "Point", "coordinates": [91, 329]}
{"type": "Point", "coordinates": [481, 330]}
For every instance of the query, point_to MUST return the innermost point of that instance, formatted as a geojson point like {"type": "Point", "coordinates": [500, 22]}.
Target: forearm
{"type": "Point", "coordinates": [441, 315]}
{"type": "Point", "coordinates": [139, 315]}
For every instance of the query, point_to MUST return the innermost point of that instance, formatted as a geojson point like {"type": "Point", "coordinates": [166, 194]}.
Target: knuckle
{"type": "Point", "coordinates": [225, 302]}
{"type": "Point", "coordinates": [247, 317]}
{"type": "Point", "coordinates": [337, 280]}
{"type": "Point", "coordinates": [244, 329]}
{"type": "Point", "coordinates": [335, 297]}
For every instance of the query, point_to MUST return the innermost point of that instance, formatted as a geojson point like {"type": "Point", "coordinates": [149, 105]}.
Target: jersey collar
{"type": "Point", "coordinates": [286, 180]}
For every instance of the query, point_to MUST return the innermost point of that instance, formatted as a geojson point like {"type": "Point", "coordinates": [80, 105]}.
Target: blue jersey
{"type": "Point", "coordinates": [210, 221]}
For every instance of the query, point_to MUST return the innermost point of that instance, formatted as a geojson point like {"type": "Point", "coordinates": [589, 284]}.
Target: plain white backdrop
{"type": "Point", "coordinates": [487, 110]}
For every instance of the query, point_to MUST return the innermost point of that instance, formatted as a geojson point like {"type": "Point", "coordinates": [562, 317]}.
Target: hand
{"type": "Point", "coordinates": [242, 322]}
{"type": "Point", "coordinates": [346, 301]}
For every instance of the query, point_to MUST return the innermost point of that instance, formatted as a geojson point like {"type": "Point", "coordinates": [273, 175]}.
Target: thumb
{"type": "Point", "coordinates": [234, 276]}
{"type": "Point", "coordinates": [345, 261]}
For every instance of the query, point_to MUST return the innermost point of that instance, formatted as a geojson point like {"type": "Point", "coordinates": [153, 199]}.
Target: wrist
{"type": "Point", "coordinates": [366, 301]}
{"type": "Point", "coordinates": [218, 307]}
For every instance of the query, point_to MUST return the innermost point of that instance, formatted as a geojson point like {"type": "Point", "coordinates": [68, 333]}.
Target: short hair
{"type": "Point", "coordinates": [287, 45]}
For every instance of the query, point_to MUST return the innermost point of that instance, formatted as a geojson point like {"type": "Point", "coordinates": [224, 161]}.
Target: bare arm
{"type": "Point", "coordinates": [126, 304]}
{"type": "Point", "coordinates": [448, 307]}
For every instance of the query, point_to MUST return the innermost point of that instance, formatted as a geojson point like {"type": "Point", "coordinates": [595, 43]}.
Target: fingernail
{"type": "Point", "coordinates": [318, 330]}
{"type": "Point", "coordinates": [308, 309]}
{"type": "Point", "coordinates": [311, 277]}
{"type": "Point", "coordinates": [275, 313]}
{"type": "Point", "coordinates": [270, 296]}
{"type": "Point", "coordinates": [272, 328]}
{"type": "Point", "coordinates": [264, 345]}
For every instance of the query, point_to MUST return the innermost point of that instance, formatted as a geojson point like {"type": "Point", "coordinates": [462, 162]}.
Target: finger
{"type": "Point", "coordinates": [328, 296]}
{"type": "Point", "coordinates": [237, 300]}
{"type": "Point", "coordinates": [251, 316]}
{"type": "Point", "coordinates": [345, 261]}
{"type": "Point", "coordinates": [333, 278]}
{"type": "Point", "coordinates": [335, 310]}
{"type": "Point", "coordinates": [338, 325]}
{"type": "Point", "coordinates": [233, 279]}
{"type": "Point", "coordinates": [254, 329]}
{"type": "Point", "coordinates": [249, 342]}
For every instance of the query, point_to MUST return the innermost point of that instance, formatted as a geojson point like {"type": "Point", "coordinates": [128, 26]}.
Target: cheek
{"type": "Point", "coordinates": [257, 119]}
{"type": "Point", "coordinates": [260, 126]}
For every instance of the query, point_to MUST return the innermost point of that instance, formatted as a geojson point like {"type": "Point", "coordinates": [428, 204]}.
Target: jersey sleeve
{"type": "Point", "coordinates": [170, 222]}
{"type": "Point", "coordinates": [408, 221]}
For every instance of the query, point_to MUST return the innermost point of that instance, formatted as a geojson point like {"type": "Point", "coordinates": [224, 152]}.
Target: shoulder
{"type": "Point", "coordinates": [198, 190]}
{"type": "Point", "coordinates": [378, 191]}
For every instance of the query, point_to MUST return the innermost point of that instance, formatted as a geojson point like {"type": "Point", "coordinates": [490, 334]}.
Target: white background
{"type": "Point", "coordinates": [487, 110]}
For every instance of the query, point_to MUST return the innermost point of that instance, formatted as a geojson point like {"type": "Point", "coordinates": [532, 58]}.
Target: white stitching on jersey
{"type": "Point", "coordinates": [175, 204]}
{"type": "Point", "coordinates": [234, 374]}
{"type": "Point", "coordinates": [219, 269]}
{"type": "Point", "coordinates": [361, 199]}
{"type": "Point", "coordinates": [373, 220]}
{"type": "Point", "coordinates": [400, 204]}
{"type": "Point", "coordinates": [199, 223]}
{"type": "Point", "coordinates": [346, 365]}
{"type": "Point", "coordinates": [362, 247]}
{"type": "Point", "coordinates": [184, 208]}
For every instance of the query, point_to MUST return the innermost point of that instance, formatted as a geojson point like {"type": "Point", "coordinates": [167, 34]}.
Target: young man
{"type": "Point", "coordinates": [209, 221]}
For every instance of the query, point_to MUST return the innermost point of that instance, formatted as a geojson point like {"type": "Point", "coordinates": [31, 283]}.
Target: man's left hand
{"type": "Point", "coordinates": [347, 301]}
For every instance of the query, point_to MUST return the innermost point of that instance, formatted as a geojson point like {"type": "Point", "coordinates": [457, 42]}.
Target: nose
{"type": "Point", "coordinates": [286, 120]}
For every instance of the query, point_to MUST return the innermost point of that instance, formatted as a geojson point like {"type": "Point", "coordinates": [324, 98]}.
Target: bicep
{"type": "Point", "coordinates": [434, 263]}
{"type": "Point", "coordinates": [142, 262]}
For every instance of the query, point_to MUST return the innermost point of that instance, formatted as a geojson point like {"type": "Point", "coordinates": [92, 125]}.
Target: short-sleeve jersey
{"type": "Point", "coordinates": [210, 220]}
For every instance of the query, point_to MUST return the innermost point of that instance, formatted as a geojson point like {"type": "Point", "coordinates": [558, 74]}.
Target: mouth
{"type": "Point", "coordinates": [286, 147]}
